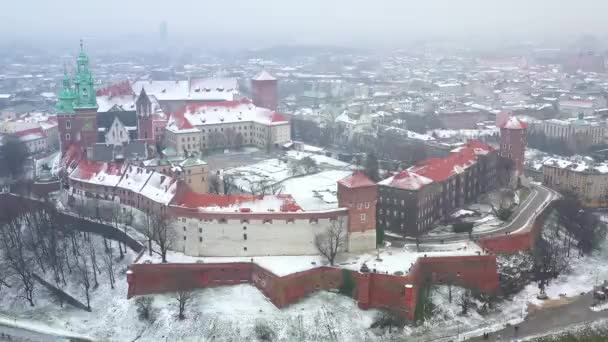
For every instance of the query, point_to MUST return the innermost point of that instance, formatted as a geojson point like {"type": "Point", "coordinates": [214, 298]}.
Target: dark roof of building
{"type": "Point", "coordinates": [133, 150]}
{"type": "Point", "coordinates": [105, 120]}
{"type": "Point", "coordinates": [103, 152]}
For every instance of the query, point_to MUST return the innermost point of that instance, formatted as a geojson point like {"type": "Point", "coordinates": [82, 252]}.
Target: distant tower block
{"type": "Point", "coordinates": [163, 31]}
{"type": "Point", "coordinates": [513, 142]}
{"type": "Point", "coordinates": [264, 89]}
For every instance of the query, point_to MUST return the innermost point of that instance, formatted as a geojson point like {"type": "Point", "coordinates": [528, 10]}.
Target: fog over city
{"type": "Point", "coordinates": [271, 22]}
{"type": "Point", "coordinates": [304, 170]}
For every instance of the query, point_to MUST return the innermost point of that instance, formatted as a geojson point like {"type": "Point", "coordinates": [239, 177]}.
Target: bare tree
{"type": "Point", "coordinates": [183, 294]}
{"type": "Point", "coordinates": [238, 141]}
{"type": "Point", "coordinates": [265, 187]}
{"type": "Point", "coordinates": [214, 184]}
{"type": "Point", "coordinates": [230, 137]}
{"type": "Point", "coordinates": [108, 261]}
{"type": "Point", "coordinates": [332, 241]}
{"type": "Point", "coordinates": [83, 276]}
{"type": "Point", "coordinates": [228, 184]}
{"type": "Point", "coordinates": [144, 307]}
{"type": "Point", "coordinates": [149, 231]}
{"type": "Point", "coordinates": [163, 235]}
{"type": "Point", "coordinates": [465, 302]}
{"type": "Point", "coordinates": [15, 257]}
{"type": "Point", "coordinates": [115, 217]}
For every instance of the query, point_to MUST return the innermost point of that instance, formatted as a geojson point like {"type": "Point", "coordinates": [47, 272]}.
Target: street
{"type": "Point", "coordinates": [549, 319]}
{"type": "Point", "coordinates": [523, 215]}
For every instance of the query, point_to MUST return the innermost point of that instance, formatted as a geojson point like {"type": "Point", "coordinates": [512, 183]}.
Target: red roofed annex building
{"type": "Point", "coordinates": [410, 202]}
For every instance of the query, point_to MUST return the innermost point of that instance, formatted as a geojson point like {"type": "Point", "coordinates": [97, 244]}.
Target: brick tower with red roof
{"type": "Point", "coordinates": [513, 143]}
{"type": "Point", "coordinates": [264, 90]}
{"type": "Point", "coordinates": [359, 194]}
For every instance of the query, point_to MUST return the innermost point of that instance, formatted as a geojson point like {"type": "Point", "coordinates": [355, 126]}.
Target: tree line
{"type": "Point", "coordinates": [36, 243]}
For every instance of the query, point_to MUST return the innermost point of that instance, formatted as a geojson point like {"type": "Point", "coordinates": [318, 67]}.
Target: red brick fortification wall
{"type": "Point", "coordinates": [400, 294]}
{"type": "Point", "coordinates": [507, 244]}
{"type": "Point", "coordinates": [373, 290]}
{"type": "Point", "coordinates": [513, 243]}
{"type": "Point", "coordinates": [473, 272]}
{"type": "Point", "coordinates": [291, 288]}
{"type": "Point", "coordinates": [159, 278]}
{"type": "Point", "coordinates": [395, 293]}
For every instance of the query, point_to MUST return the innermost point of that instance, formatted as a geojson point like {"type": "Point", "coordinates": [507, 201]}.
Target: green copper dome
{"type": "Point", "coordinates": [65, 103]}
{"type": "Point", "coordinates": [83, 83]}
{"type": "Point", "coordinates": [82, 94]}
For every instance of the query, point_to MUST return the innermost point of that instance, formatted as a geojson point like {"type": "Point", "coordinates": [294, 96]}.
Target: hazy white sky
{"type": "Point", "coordinates": [301, 21]}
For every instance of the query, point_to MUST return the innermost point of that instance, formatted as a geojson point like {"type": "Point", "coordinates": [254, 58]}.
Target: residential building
{"type": "Point", "coordinates": [412, 201]}
{"type": "Point", "coordinates": [225, 124]}
{"type": "Point", "coordinates": [582, 177]}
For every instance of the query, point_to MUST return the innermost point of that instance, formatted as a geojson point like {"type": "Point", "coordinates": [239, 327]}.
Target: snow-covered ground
{"type": "Point", "coordinates": [317, 191]}
{"type": "Point", "coordinates": [391, 260]}
{"type": "Point", "coordinates": [52, 162]}
{"type": "Point", "coordinates": [277, 170]}
{"type": "Point", "coordinates": [320, 159]}
{"type": "Point", "coordinates": [220, 314]}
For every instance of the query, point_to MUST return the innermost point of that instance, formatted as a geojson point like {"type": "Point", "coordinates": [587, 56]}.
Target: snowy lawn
{"type": "Point", "coordinates": [320, 159]}
{"type": "Point", "coordinates": [392, 260]}
{"type": "Point", "coordinates": [279, 265]}
{"type": "Point", "coordinates": [51, 162]}
{"type": "Point", "coordinates": [317, 191]}
{"type": "Point", "coordinates": [220, 314]}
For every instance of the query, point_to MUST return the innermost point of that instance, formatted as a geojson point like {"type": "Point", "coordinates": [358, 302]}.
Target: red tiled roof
{"type": "Point", "coordinates": [440, 169]}
{"type": "Point", "coordinates": [194, 105]}
{"type": "Point", "coordinates": [189, 199]}
{"type": "Point", "coordinates": [35, 130]}
{"type": "Point", "coordinates": [117, 89]}
{"type": "Point", "coordinates": [277, 117]}
{"type": "Point", "coordinates": [87, 169]}
{"type": "Point", "coordinates": [356, 180]}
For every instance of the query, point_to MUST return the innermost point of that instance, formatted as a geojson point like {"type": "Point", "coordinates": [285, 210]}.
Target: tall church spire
{"type": "Point", "coordinates": [65, 103]}
{"type": "Point", "coordinates": [83, 83]}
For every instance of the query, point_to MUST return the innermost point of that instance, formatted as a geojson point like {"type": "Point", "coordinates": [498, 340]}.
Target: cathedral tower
{"type": "Point", "coordinates": [77, 108]}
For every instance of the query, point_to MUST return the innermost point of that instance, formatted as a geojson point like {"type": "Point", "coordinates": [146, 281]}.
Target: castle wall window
{"type": "Point", "coordinates": [68, 124]}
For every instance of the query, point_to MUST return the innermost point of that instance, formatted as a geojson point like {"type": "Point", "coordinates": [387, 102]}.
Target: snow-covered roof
{"type": "Point", "coordinates": [108, 103]}
{"type": "Point", "coordinates": [134, 178]}
{"type": "Point", "coordinates": [214, 113]}
{"type": "Point", "coordinates": [264, 76]}
{"type": "Point", "coordinates": [357, 180]}
{"type": "Point", "coordinates": [577, 165]}
{"type": "Point", "coordinates": [514, 123]}
{"type": "Point", "coordinates": [237, 203]}
{"type": "Point", "coordinates": [99, 173]}
{"type": "Point", "coordinates": [438, 169]}
{"type": "Point", "coordinates": [205, 89]}
{"type": "Point", "coordinates": [159, 188]}
{"type": "Point", "coordinates": [31, 137]}
{"type": "Point", "coordinates": [407, 181]}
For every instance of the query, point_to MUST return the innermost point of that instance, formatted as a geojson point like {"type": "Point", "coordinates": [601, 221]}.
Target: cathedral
{"type": "Point", "coordinates": [102, 136]}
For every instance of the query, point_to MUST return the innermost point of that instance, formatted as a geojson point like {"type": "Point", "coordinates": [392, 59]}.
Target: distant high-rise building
{"type": "Point", "coordinates": [163, 31]}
